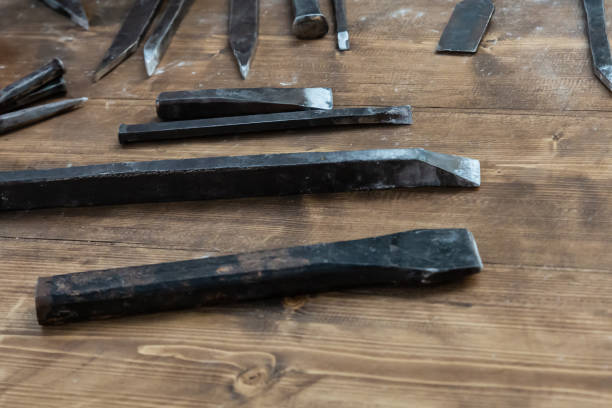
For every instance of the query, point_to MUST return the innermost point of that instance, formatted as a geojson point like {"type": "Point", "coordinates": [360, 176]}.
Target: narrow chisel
{"type": "Point", "coordinates": [71, 8]}
{"type": "Point", "coordinates": [20, 118]}
{"type": "Point", "coordinates": [341, 25]}
{"type": "Point", "coordinates": [598, 40]}
{"type": "Point", "coordinates": [243, 32]}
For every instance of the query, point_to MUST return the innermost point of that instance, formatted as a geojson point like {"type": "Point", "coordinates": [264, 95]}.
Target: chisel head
{"type": "Point", "coordinates": [49, 72]}
{"type": "Point", "coordinates": [308, 22]}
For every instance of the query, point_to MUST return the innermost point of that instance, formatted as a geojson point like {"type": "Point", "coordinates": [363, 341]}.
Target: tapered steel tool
{"type": "Point", "coordinates": [32, 82]}
{"type": "Point", "coordinates": [71, 8]}
{"type": "Point", "coordinates": [243, 32]}
{"type": "Point", "coordinates": [341, 25]}
{"type": "Point", "coordinates": [395, 115]}
{"type": "Point", "coordinates": [598, 40]}
{"type": "Point", "coordinates": [54, 88]}
{"type": "Point", "coordinates": [129, 36]}
{"type": "Point", "coordinates": [466, 26]}
{"type": "Point", "coordinates": [209, 103]}
{"type": "Point", "coordinates": [20, 118]}
{"type": "Point", "coordinates": [234, 177]}
{"type": "Point", "coordinates": [308, 22]}
{"type": "Point", "coordinates": [158, 42]}
{"type": "Point", "coordinates": [413, 257]}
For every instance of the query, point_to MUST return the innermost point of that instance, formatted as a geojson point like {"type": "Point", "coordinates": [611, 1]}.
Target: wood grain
{"type": "Point", "coordinates": [534, 329]}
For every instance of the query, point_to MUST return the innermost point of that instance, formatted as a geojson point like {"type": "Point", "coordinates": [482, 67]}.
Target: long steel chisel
{"type": "Point", "coordinates": [598, 40]}
{"type": "Point", "coordinates": [243, 32]}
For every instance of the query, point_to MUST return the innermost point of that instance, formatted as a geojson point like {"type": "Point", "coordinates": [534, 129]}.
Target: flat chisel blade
{"type": "Point", "coordinates": [128, 38]}
{"type": "Point", "coordinates": [243, 32]}
{"type": "Point", "coordinates": [341, 25]}
{"type": "Point", "coordinates": [235, 177]}
{"type": "Point", "coordinates": [210, 103]}
{"type": "Point", "coordinates": [147, 132]}
{"type": "Point", "coordinates": [466, 26]}
{"type": "Point", "coordinates": [158, 42]}
{"type": "Point", "coordinates": [20, 118]}
{"type": "Point", "coordinates": [33, 81]}
{"type": "Point", "coordinates": [418, 257]}
{"type": "Point", "coordinates": [598, 40]}
{"type": "Point", "coordinates": [71, 8]}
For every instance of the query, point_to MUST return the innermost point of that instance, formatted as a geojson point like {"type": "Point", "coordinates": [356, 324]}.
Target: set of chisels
{"type": "Point", "coordinates": [419, 256]}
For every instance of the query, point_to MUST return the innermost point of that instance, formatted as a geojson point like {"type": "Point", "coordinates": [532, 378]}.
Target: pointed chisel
{"type": "Point", "coordinates": [24, 117]}
{"type": "Point", "coordinates": [243, 32]}
{"type": "Point", "coordinates": [341, 25]}
{"type": "Point", "coordinates": [55, 88]}
{"type": "Point", "coordinates": [235, 177]}
{"type": "Point", "coordinates": [308, 21]}
{"type": "Point", "coordinates": [158, 42]}
{"type": "Point", "coordinates": [71, 8]}
{"type": "Point", "coordinates": [418, 257]}
{"type": "Point", "coordinates": [598, 40]}
{"type": "Point", "coordinates": [129, 36]}
{"type": "Point", "coordinates": [394, 115]}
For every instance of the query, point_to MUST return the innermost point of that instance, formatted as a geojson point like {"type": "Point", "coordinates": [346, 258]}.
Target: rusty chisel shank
{"type": "Point", "coordinates": [71, 8]}
{"type": "Point", "coordinates": [20, 118]}
{"type": "Point", "coordinates": [32, 82]}
{"type": "Point", "coordinates": [308, 23]}
{"type": "Point", "coordinates": [234, 177]}
{"type": "Point", "coordinates": [129, 36]}
{"type": "Point", "coordinates": [209, 103]}
{"type": "Point", "coordinates": [466, 26]}
{"type": "Point", "coordinates": [158, 42]}
{"type": "Point", "coordinates": [598, 40]}
{"type": "Point", "coordinates": [243, 32]}
{"type": "Point", "coordinates": [412, 257]}
{"type": "Point", "coordinates": [395, 115]}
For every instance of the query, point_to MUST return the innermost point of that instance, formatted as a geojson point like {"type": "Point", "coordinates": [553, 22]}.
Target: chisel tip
{"type": "Point", "coordinates": [151, 60]}
{"type": "Point", "coordinates": [343, 41]}
{"type": "Point", "coordinates": [244, 63]}
{"type": "Point", "coordinates": [604, 74]}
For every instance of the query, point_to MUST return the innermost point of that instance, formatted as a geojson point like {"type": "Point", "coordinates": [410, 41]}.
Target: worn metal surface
{"type": "Point", "coordinates": [209, 103]}
{"type": "Point", "coordinates": [598, 40]}
{"type": "Point", "coordinates": [243, 32]}
{"type": "Point", "coordinates": [233, 177]}
{"type": "Point", "coordinates": [308, 22]}
{"type": "Point", "coordinates": [54, 88]}
{"type": "Point", "coordinates": [30, 83]}
{"type": "Point", "coordinates": [71, 8]}
{"type": "Point", "coordinates": [466, 26]}
{"type": "Point", "coordinates": [20, 118]}
{"type": "Point", "coordinates": [412, 257]}
{"type": "Point", "coordinates": [341, 25]}
{"type": "Point", "coordinates": [158, 42]}
{"type": "Point", "coordinates": [395, 115]}
{"type": "Point", "coordinates": [129, 36]}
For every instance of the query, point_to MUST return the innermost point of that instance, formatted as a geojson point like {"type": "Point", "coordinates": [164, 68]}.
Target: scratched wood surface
{"type": "Point", "coordinates": [534, 329]}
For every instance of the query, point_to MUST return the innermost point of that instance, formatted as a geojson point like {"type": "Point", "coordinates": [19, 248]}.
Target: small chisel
{"type": "Point", "coordinates": [243, 32]}
{"type": "Point", "coordinates": [341, 25]}
{"type": "Point", "coordinates": [418, 257]}
{"type": "Point", "coordinates": [210, 103]}
{"type": "Point", "coordinates": [308, 22]}
{"type": "Point", "coordinates": [20, 118]}
{"type": "Point", "coordinates": [234, 177]}
{"type": "Point", "coordinates": [395, 115]}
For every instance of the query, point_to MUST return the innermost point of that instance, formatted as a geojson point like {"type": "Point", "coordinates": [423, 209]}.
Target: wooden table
{"type": "Point", "coordinates": [534, 329]}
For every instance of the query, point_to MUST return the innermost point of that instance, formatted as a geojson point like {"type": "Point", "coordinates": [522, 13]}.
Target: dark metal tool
{"type": "Point", "coordinates": [411, 257]}
{"type": "Point", "coordinates": [466, 26]}
{"type": "Point", "coordinates": [71, 8]}
{"type": "Point", "coordinates": [234, 177]}
{"type": "Point", "coordinates": [210, 103]}
{"type": "Point", "coordinates": [19, 89]}
{"type": "Point", "coordinates": [395, 115]}
{"type": "Point", "coordinates": [24, 117]}
{"type": "Point", "coordinates": [243, 32]}
{"type": "Point", "coordinates": [308, 22]}
{"type": "Point", "coordinates": [158, 42]}
{"type": "Point", "coordinates": [598, 39]}
{"type": "Point", "coordinates": [129, 36]}
{"type": "Point", "coordinates": [55, 88]}
{"type": "Point", "coordinates": [341, 25]}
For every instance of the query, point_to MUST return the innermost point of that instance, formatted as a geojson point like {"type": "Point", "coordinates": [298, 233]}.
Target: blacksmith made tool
{"type": "Point", "coordinates": [598, 39]}
{"type": "Point", "coordinates": [308, 22]}
{"type": "Point", "coordinates": [341, 25]}
{"type": "Point", "coordinates": [20, 118]}
{"type": "Point", "coordinates": [413, 257]}
{"type": "Point", "coordinates": [10, 95]}
{"type": "Point", "coordinates": [71, 8]}
{"type": "Point", "coordinates": [210, 103]}
{"type": "Point", "coordinates": [54, 88]}
{"type": "Point", "coordinates": [128, 38]}
{"type": "Point", "coordinates": [147, 132]}
{"type": "Point", "coordinates": [158, 42]}
{"type": "Point", "coordinates": [243, 32]}
{"type": "Point", "coordinates": [234, 177]}
{"type": "Point", "coordinates": [466, 26]}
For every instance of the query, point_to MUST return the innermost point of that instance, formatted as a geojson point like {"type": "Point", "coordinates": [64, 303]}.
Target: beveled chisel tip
{"type": "Point", "coordinates": [71, 8]}
{"type": "Point", "coordinates": [343, 41]}
{"type": "Point", "coordinates": [151, 60]}
{"type": "Point", "coordinates": [244, 63]}
{"type": "Point", "coordinates": [604, 74]}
